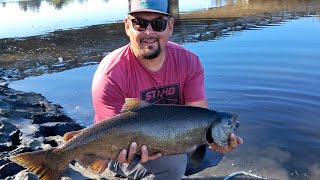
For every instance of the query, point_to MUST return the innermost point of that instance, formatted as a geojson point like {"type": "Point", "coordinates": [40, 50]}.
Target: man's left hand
{"type": "Point", "coordinates": [233, 143]}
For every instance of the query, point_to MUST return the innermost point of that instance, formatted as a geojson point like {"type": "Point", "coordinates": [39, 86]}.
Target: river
{"type": "Point", "coordinates": [267, 74]}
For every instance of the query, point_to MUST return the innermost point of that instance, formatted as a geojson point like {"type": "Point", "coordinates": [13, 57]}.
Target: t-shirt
{"type": "Point", "coordinates": [121, 75]}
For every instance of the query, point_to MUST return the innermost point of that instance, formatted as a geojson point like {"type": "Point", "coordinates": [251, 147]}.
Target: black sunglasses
{"type": "Point", "coordinates": [158, 25]}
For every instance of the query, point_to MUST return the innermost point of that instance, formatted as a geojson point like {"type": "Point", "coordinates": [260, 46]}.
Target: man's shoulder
{"type": "Point", "coordinates": [114, 59]}
{"type": "Point", "coordinates": [176, 48]}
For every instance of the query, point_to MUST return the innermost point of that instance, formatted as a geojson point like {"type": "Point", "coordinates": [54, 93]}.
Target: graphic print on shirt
{"type": "Point", "coordinates": [162, 95]}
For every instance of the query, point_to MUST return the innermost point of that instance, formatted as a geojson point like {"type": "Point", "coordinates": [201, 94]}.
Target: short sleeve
{"type": "Point", "coordinates": [194, 85]}
{"type": "Point", "coordinates": [107, 97]}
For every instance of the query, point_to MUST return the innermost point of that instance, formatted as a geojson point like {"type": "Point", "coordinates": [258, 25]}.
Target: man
{"type": "Point", "coordinates": [156, 70]}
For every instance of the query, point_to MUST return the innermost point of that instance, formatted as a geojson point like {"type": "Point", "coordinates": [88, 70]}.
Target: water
{"type": "Point", "coordinates": [72, 90]}
{"type": "Point", "coordinates": [27, 18]}
{"type": "Point", "coordinates": [270, 77]}
{"type": "Point", "coordinates": [35, 17]}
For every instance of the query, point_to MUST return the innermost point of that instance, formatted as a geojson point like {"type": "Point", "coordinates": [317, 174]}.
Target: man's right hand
{"type": "Point", "coordinates": [127, 156]}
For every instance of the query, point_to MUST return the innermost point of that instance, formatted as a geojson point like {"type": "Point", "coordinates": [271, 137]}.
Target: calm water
{"type": "Point", "coordinates": [269, 76]}
{"type": "Point", "coordinates": [33, 17]}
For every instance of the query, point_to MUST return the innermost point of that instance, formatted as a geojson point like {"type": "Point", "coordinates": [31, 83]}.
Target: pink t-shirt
{"type": "Point", "coordinates": [120, 75]}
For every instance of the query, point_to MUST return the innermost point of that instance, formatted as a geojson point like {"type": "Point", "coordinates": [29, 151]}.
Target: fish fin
{"type": "Point", "coordinates": [132, 104]}
{"type": "Point", "coordinates": [135, 161]}
{"type": "Point", "coordinates": [98, 166]}
{"type": "Point", "coordinates": [42, 163]}
{"type": "Point", "coordinates": [69, 135]}
{"type": "Point", "coordinates": [198, 155]}
{"type": "Point", "coordinates": [86, 160]}
{"type": "Point", "coordinates": [234, 117]}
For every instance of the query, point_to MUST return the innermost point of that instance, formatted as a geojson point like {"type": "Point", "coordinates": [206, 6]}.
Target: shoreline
{"type": "Point", "coordinates": [29, 122]}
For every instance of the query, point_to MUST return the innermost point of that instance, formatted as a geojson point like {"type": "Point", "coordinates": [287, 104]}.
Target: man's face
{"type": "Point", "coordinates": [148, 42]}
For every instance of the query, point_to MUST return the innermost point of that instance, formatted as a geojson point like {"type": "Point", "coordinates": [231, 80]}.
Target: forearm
{"type": "Point", "coordinates": [203, 104]}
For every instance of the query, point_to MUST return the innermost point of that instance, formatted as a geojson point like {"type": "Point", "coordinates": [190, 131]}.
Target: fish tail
{"type": "Point", "coordinates": [43, 163]}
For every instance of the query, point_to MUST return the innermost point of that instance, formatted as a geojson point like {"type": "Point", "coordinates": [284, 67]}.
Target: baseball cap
{"type": "Point", "coordinates": [157, 6]}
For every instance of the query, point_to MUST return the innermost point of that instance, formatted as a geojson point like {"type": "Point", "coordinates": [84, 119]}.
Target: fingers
{"type": "Point", "coordinates": [122, 157]}
{"type": "Point", "coordinates": [239, 140]}
{"type": "Point", "coordinates": [126, 156]}
{"type": "Point", "coordinates": [132, 151]}
{"type": "Point", "coordinates": [144, 154]}
{"type": "Point", "coordinates": [233, 141]}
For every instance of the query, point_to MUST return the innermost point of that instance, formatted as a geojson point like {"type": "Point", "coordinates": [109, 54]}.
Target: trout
{"type": "Point", "coordinates": [168, 129]}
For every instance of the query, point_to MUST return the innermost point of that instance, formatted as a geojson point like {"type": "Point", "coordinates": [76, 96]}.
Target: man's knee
{"type": "Point", "coordinates": [166, 167]}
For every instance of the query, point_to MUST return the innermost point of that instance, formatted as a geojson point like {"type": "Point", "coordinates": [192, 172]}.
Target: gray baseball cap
{"type": "Point", "coordinates": [157, 6]}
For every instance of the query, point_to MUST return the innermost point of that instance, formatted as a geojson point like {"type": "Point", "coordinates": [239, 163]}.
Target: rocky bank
{"type": "Point", "coordinates": [28, 122]}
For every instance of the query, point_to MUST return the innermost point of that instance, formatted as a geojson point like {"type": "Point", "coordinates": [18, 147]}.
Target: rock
{"type": "Point", "coordinates": [9, 169]}
{"type": "Point", "coordinates": [6, 127]}
{"type": "Point", "coordinates": [3, 161]}
{"type": "Point", "coordinates": [9, 136]}
{"type": "Point", "coordinates": [15, 137]}
{"type": "Point", "coordinates": [25, 175]}
{"type": "Point", "coordinates": [4, 113]}
{"type": "Point", "coordinates": [51, 142]}
{"type": "Point", "coordinates": [53, 129]}
{"type": "Point", "coordinates": [6, 147]}
{"type": "Point", "coordinates": [41, 118]}
{"type": "Point", "coordinates": [28, 122]}
{"type": "Point", "coordinates": [4, 84]}
{"type": "Point", "coordinates": [20, 149]}
{"type": "Point", "coordinates": [60, 59]}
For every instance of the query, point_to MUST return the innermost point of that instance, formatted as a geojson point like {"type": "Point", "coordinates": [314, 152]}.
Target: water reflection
{"type": "Point", "coordinates": [29, 18]}
{"type": "Point", "coordinates": [40, 54]}
{"type": "Point", "coordinates": [34, 5]}
{"type": "Point", "coordinates": [241, 8]}
{"type": "Point", "coordinates": [37, 17]}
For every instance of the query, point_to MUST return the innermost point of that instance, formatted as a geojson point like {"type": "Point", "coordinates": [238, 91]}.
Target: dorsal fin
{"type": "Point", "coordinates": [132, 104]}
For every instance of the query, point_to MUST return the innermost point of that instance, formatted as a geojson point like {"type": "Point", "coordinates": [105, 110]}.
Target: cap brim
{"type": "Point", "coordinates": [149, 10]}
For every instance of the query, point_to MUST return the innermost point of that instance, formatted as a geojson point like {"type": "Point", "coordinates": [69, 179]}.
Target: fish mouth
{"type": "Point", "coordinates": [237, 125]}
{"type": "Point", "coordinates": [209, 138]}
{"type": "Point", "coordinates": [220, 134]}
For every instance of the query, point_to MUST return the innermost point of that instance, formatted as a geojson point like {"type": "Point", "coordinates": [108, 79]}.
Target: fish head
{"type": "Point", "coordinates": [222, 125]}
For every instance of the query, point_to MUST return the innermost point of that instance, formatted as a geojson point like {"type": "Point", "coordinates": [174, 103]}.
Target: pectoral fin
{"type": "Point", "coordinates": [69, 135]}
{"type": "Point", "coordinates": [198, 155]}
{"type": "Point", "coordinates": [99, 166]}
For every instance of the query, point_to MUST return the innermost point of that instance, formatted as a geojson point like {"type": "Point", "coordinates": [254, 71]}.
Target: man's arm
{"type": "Point", "coordinates": [203, 104]}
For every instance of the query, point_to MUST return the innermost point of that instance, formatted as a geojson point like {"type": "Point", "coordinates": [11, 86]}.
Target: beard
{"type": "Point", "coordinates": [150, 52]}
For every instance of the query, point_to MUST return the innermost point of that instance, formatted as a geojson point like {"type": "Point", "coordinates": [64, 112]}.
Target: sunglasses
{"type": "Point", "coordinates": [158, 25]}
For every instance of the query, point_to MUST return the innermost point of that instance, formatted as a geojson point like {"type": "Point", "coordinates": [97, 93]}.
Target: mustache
{"type": "Point", "coordinates": [149, 38]}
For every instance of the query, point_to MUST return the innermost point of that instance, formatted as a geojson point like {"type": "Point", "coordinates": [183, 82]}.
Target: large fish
{"type": "Point", "coordinates": [168, 129]}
